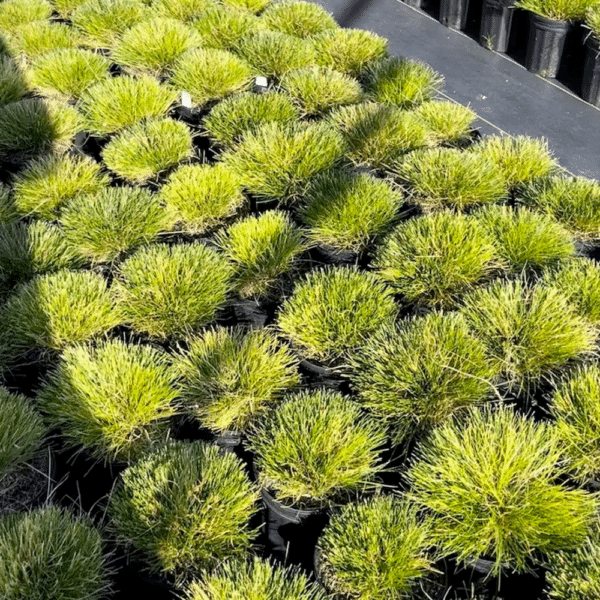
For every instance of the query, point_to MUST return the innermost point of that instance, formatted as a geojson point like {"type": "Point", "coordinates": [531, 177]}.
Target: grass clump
{"type": "Point", "coordinates": [120, 102]}
{"type": "Point", "coordinates": [38, 37]}
{"type": "Point", "coordinates": [209, 75]}
{"type": "Point", "coordinates": [316, 449]}
{"type": "Point", "coordinates": [47, 184]}
{"type": "Point", "coordinates": [182, 10]}
{"type": "Point", "coordinates": [254, 579]}
{"type": "Point", "coordinates": [146, 149]}
{"type": "Point", "coordinates": [558, 10]}
{"type": "Point", "coordinates": [348, 211]}
{"type": "Point", "coordinates": [333, 311]}
{"type": "Point", "coordinates": [13, 85]}
{"type": "Point", "coordinates": [201, 197]}
{"type": "Point", "coordinates": [319, 89]}
{"type": "Point", "coordinates": [273, 54]}
{"type": "Point", "coordinates": [261, 249]}
{"type": "Point", "coordinates": [103, 22]}
{"type": "Point", "coordinates": [433, 260]}
{"type": "Point", "coordinates": [253, 6]}
{"type": "Point", "coordinates": [22, 431]}
{"type": "Point", "coordinates": [348, 50]}
{"type": "Point", "coordinates": [401, 82]}
{"type": "Point", "coordinates": [51, 554]}
{"type": "Point", "coordinates": [17, 12]}
{"type": "Point", "coordinates": [447, 177]}
{"type": "Point", "coordinates": [514, 460]}
{"type": "Point", "coordinates": [572, 201]}
{"type": "Point", "coordinates": [419, 373]}
{"type": "Point", "coordinates": [246, 112]}
{"type": "Point", "coordinates": [162, 295]}
{"type": "Point", "coordinates": [66, 73]}
{"type": "Point", "coordinates": [102, 226]}
{"type": "Point", "coordinates": [530, 332]}
{"type": "Point", "coordinates": [519, 160]}
{"type": "Point", "coordinates": [449, 122]}
{"type": "Point", "coordinates": [113, 400]}
{"type": "Point", "coordinates": [154, 46]}
{"type": "Point", "coordinates": [8, 213]}
{"type": "Point", "coordinates": [231, 377]}
{"type": "Point", "coordinates": [66, 7]}
{"type": "Point", "coordinates": [397, 540]}
{"type": "Point", "coordinates": [377, 135]}
{"type": "Point", "coordinates": [32, 127]}
{"type": "Point", "coordinates": [223, 28]}
{"type": "Point", "coordinates": [295, 17]}
{"type": "Point", "coordinates": [592, 20]}
{"type": "Point", "coordinates": [277, 160]}
{"type": "Point", "coordinates": [526, 240]}
{"type": "Point", "coordinates": [184, 508]}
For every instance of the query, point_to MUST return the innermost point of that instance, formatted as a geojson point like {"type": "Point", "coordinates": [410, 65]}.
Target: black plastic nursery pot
{"type": "Point", "coordinates": [590, 85]}
{"type": "Point", "coordinates": [453, 13]}
{"type": "Point", "coordinates": [496, 19]}
{"type": "Point", "coordinates": [413, 3]}
{"type": "Point", "coordinates": [255, 314]}
{"type": "Point", "coordinates": [545, 45]}
{"type": "Point", "coordinates": [229, 441]}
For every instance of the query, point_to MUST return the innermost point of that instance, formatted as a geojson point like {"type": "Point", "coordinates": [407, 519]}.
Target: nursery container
{"type": "Point", "coordinates": [413, 3]}
{"type": "Point", "coordinates": [333, 256]}
{"type": "Point", "coordinates": [252, 312]}
{"type": "Point", "coordinates": [545, 45]}
{"type": "Point", "coordinates": [229, 441]}
{"type": "Point", "coordinates": [496, 19]}
{"type": "Point", "coordinates": [590, 85]}
{"type": "Point", "coordinates": [453, 13]}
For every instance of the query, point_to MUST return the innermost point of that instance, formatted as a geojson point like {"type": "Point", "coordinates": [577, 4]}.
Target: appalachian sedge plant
{"type": "Point", "coordinates": [434, 259]}
{"type": "Point", "coordinates": [526, 241]}
{"type": "Point", "coordinates": [101, 227]}
{"type": "Point", "coordinates": [448, 122]}
{"type": "Point", "coordinates": [319, 89]}
{"type": "Point", "coordinates": [246, 112]}
{"type": "Point", "coordinates": [592, 20]}
{"type": "Point", "coordinates": [120, 102]}
{"type": "Point", "coordinates": [416, 375]}
{"type": "Point", "coordinates": [209, 75]}
{"type": "Point", "coordinates": [572, 201]}
{"type": "Point", "coordinates": [183, 10]}
{"type": "Point", "coordinates": [232, 377]}
{"type": "Point", "coordinates": [531, 332]}
{"type": "Point", "coordinates": [169, 292]}
{"type": "Point", "coordinates": [153, 46]}
{"type": "Point", "coordinates": [317, 449]}
{"type": "Point", "coordinates": [13, 85]}
{"type": "Point", "coordinates": [447, 177]}
{"type": "Point", "coordinates": [295, 17]}
{"type": "Point", "coordinates": [276, 161]}
{"type": "Point", "coordinates": [199, 198]}
{"type": "Point", "coordinates": [147, 149]}
{"type": "Point", "coordinates": [184, 509]}
{"type": "Point", "coordinates": [66, 73]}
{"type": "Point", "coordinates": [48, 183]}
{"type": "Point", "coordinates": [254, 579]}
{"type": "Point", "coordinates": [66, 7]}
{"type": "Point", "coordinates": [347, 211]}
{"type": "Point", "coordinates": [558, 10]}
{"type": "Point", "coordinates": [377, 134]}
{"type": "Point", "coordinates": [506, 456]}
{"type": "Point", "coordinates": [8, 212]}
{"type": "Point", "coordinates": [261, 249]}
{"type": "Point", "coordinates": [401, 82]}
{"type": "Point", "coordinates": [253, 6]}
{"type": "Point", "coordinates": [52, 553]}
{"type": "Point", "coordinates": [32, 39]}
{"type": "Point", "coordinates": [114, 399]}
{"type": "Point", "coordinates": [398, 542]}
{"type": "Point", "coordinates": [333, 311]}
{"type": "Point", "coordinates": [16, 12]}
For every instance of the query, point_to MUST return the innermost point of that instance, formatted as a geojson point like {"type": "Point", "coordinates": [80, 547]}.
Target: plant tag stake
{"type": "Point", "coordinates": [186, 100]}
{"type": "Point", "coordinates": [261, 84]}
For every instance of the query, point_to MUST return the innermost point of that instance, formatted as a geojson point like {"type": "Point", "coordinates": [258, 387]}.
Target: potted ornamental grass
{"type": "Point", "coordinates": [331, 312]}
{"type": "Point", "coordinates": [397, 539]}
{"type": "Point", "coordinates": [16, 12]}
{"type": "Point", "coordinates": [53, 553]}
{"type": "Point", "coordinates": [8, 213]}
{"type": "Point", "coordinates": [531, 331]}
{"type": "Point", "coordinates": [13, 84]}
{"type": "Point", "coordinates": [590, 82]}
{"type": "Point", "coordinates": [469, 178]}
{"type": "Point", "coordinates": [65, 8]}
{"type": "Point", "coordinates": [201, 198]}
{"type": "Point", "coordinates": [499, 454]}
{"type": "Point", "coordinates": [29, 40]}
{"type": "Point", "coordinates": [113, 400]}
{"type": "Point", "coordinates": [377, 134]}
{"type": "Point", "coordinates": [345, 212]}
{"type": "Point", "coordinates": [245, 112]}
{"type": "Point", "coordinates": [435, 259]}
{"type": "Point", "coordinates": [295, 17]}
{"type": "Point", "coordinates": [401, 82]}
{"type": "Point", "coordinates": [48, 183]}
{"type": "Point", "coordinates": [183, 10]}
{"type": "Point", "coordinates": [526, 241]}
{"type": "Point", "coordinates": [416, 375]}
{"type": "Point", "coordinates": [161, 295]}
{"type": "Point", "coordinates": [253, 6]}
{"type": "Point", "coordinates": [449, 123]}
{"type": "Point", "coordinates": [25, 462]}
{"type": "Point", "coordinates": [230, 377]}
{"type": "Point", "coordinates": [254, 579]}
{"type": "Point", "coordinates": [496, 21]}
{"type": "Point", "coordinates": [103, 226]}
{"type": "Point", "coordinates": [183, 509]}
{"type": "Point", "coordinates": [453, 13]}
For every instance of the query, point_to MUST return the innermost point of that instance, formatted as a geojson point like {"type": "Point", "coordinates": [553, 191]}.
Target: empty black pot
{"type": "Point", "coordinates": [590, 85]}
{"type": "Point", "coordinates": [453, 13]}
{"type": "Point", "coordinates": [496, 19]}
{"type": "Point", "coordinates": [545, 45]}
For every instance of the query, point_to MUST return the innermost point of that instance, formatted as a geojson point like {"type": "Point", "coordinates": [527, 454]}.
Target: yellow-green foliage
{"type": "Point", "coordinates": [16, 12]}
{"type": "Point", "coordinates": [8, 213]}
{"type": "Point", "coordinates": [38, 37]}
{"type": "Point", "coordinates": [66, 7]}
{"type": "Point", "coordinates": [254, 6]}
{"type": "Point", "coordinates": [592, 19]}
{"type": "Point", "coordinates": [13, 85]}
{"type": "Point", "coordinates": [449, 122]}
{"type": "Point", "coordinates": [558, 10]}
{"type": "Point", "coordinates": [222, 27]}
{"type": "Point", "coordinates": [295, 17]}
{"type": "Point", "coordinates": [182, 10]}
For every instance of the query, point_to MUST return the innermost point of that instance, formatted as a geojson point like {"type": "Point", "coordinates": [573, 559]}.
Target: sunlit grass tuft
{"type": "Point", "coordinates": [182, 10]}
{"type": "Point", "coordinates": [13, 85]}
{"type": "Point", "coordinates": [449, 122]}
{"type": "Point", "coordinates": [17, 12]}
{"type": "Point", "coordinates": [295, 17]}
{"type": "Point", "coordinates": [38, 37]}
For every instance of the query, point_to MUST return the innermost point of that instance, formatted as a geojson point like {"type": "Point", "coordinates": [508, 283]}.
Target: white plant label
{"type": "Point", "coordinates": [186, 100]}
{"type": "Point", "coordinates": [261, 81]}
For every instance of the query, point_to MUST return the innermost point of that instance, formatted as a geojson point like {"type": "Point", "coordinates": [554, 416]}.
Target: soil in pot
{"type": "Point", "coordinates": [496, 20]}
{"type": "Point", "coordinates": [545, 45]}
{"type": "Point", "coordinates": [590, 83]}
{"type": "Point", "coordinates": [453, 13]}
